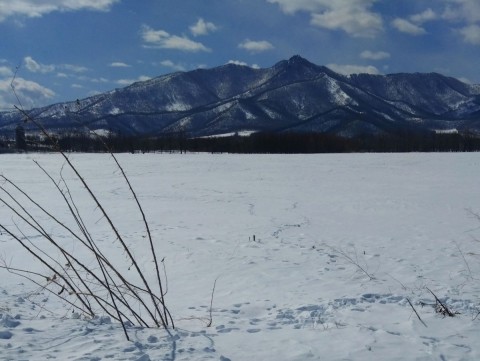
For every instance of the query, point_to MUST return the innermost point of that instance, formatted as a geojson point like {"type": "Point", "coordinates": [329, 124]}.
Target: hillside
{"type": "Point", "coordinates": [293, 95]}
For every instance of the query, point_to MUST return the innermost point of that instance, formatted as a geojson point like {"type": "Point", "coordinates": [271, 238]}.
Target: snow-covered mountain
{"type": "Point", "coordinates": [292, 95]}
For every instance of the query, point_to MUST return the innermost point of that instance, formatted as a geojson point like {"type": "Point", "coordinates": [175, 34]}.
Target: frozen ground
{"type": "Point", "coordinates": [293, 293]}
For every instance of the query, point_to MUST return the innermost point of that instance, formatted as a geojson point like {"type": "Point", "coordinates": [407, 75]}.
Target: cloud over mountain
{"type": "Point", "coordinates": [161, 39]}
{"type": "Point", "coordinates": [256, 46]}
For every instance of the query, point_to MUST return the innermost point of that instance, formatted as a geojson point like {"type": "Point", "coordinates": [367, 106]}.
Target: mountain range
{"type": "Point", "coordinates": [294, 95]}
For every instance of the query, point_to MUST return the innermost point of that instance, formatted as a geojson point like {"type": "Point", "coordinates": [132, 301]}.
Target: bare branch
{"type": "Point", "coordinates": [414, 310]}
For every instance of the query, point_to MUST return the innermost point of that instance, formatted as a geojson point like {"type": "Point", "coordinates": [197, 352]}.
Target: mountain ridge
{"type": "Point", "coordinates": [293, 95]}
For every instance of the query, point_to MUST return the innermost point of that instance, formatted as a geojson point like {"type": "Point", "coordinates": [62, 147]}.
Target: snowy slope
{"type": "Point", "coordinates": [293, 293]}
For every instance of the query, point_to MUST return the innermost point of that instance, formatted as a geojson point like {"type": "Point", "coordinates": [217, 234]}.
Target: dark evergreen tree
{"type": "Point", "coordinates": [20, 140]}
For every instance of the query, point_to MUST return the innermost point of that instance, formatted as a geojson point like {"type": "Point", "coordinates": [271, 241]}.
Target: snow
{"type": "Point", "coordinates": [242, 133]}
{"type": "Point", "coordinates": [177, 106]}
{"type": "Point", "coordinates": [296, 291]}
{"type": "Point", "coordinates": [100, 132]}
{"type": "Point", "coordinates": [339, 97]}
{"type": "Point", "coordinates": [226, 106]}
{"type": "Point", "coordinates": [115, 111]}
{"type": "Point", "coordinates": [248, 115]}
{"type": "Point", "coordinates": [446, 131]}
{"type": "Point", "coordinates": [184, 123]}
{"type": "Point", "coordinates": [402, 106]}
{"type": "Point", "coordinates": [270, 113]}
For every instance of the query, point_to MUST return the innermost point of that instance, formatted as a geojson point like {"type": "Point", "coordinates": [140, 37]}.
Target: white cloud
{"type": "Point", "coordinates": [38, 8]}
{"type": "Point", "coordinates": [242, 63]}
{"type": "Point", "coordinates": [462, 10]}
{"type": "Point", "coordinates": [237, 62]}
{"type": "Point", "coordinates": [407, 27]}
{"type": "Point", "coordinates": [74, 68]}
{"type": "Point", "coordinates": [92, 93]}
{"type": "Point", "coordinates": [98, 80]}
{"type": "Point", "coordinates": [467, 13]}
{"type": "Point", "coordinates": [377, 55]}
{"type": "Point", "coordinates": [26, 86]}
{"type": "Point", "coordinates": [465, 80]}
{"type": "Point", "coordinates": [364, 24]}
{"type": "Point", "coordinates": [290, 7]}
{"type": "Point", "coordinates": [118, 64]}
{"type": "Point", "coordinates": [256, 46]}
{"type": "Point", "coordinates": [162, 39]}
{"type": "Point", "coordinates": [412, 25]}
{"type": "Point", "coordinates": [5, 71]}
{"type": "Point", "coordinates": [36, 67]}
{"type": "Point", "coordinates": [30, 93]}
{"type": "Point", "coordinates": [125, 82]}
{"type": "Point", "coordinates": [427, 15]}
{"type": "Point", "coordinates": [353, 69]}
{"type": "Point", "coordinates": [170, 64]}
{"type": "Point", "coordinates": [471, 34]}
{"type": "Point", "coordinates": [77, 86]}
{"type": "Point", "coordinates": [202, 27]}
{"type": "Point", "coordinates": [352, 16]}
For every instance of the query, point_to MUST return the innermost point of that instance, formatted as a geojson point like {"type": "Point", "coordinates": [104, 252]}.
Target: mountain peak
{"type": "Point", "coordinates": [298, 67]}
{"type": "Point", "coordinates": [298, 60]}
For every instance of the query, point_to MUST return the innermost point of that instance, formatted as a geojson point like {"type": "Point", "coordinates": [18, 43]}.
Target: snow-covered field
{"type": "Point", "coordinates": [285, 237]}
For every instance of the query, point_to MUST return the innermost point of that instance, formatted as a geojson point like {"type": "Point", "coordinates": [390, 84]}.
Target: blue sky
{"type": "Point", "coordinates": [69, 49]}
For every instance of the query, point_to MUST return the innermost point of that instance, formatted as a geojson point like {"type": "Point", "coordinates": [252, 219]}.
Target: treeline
{"type": "Point", "coordinates": [265, 143]}
{"type": "Point", "coordinates": [278, 143]}
{"type": "Point", "coordinates": [327, 143]}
